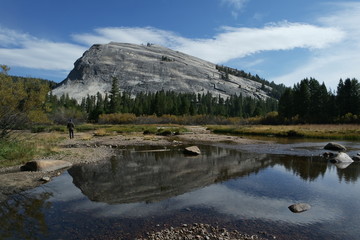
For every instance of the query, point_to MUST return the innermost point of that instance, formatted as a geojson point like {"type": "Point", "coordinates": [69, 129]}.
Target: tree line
{"type": "Point", "coordinates": [26, 101]}
{"type": "Point", "coordinates": [311, 102]}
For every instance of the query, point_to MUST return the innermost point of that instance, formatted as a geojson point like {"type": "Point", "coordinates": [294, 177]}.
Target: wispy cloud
{"type": "Point", "coordinates": [230, 43]}
{"type": "Point", "coordinates": [130, 35]}
{"type": "Point", "coordinates": [339, 60]}
{"type": "Point", "coordinates": [236, 6]}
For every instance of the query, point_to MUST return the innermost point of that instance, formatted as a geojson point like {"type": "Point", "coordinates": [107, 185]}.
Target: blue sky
{"type": "Point", "coordinates": [282, 41]}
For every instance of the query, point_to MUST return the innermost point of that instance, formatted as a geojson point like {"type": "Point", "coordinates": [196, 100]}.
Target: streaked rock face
{"type": "Point", "coordinates": [141, 68]}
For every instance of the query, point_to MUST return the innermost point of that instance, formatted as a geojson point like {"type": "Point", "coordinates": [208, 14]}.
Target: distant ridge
{"type": "Point", "coordinates": [151, 68]}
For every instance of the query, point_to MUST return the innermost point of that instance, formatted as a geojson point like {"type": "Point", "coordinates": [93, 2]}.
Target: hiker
{"type": "Point", "coordinates": [71, 126]}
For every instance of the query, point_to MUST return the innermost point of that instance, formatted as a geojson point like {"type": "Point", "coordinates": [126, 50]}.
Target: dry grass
{"type": "Point", "coordinates": [321, 131]}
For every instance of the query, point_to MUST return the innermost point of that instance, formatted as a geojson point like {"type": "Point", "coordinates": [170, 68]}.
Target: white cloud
{"type": "Point", "coordinates": [230, 44]}
{"type": "Point", "coordinates": [24, 50]}
{"type": "Point", "coordinates": [336, 61]}
{"type": "Point", "coordinates": [239, 42]}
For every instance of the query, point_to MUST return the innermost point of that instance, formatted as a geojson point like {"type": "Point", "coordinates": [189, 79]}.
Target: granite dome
{"type": "Point", "coordinates": [150, 68]}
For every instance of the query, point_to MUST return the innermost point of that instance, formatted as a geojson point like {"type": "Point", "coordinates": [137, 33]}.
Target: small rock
{"type": "Point", "coordinates": [194, 150]}
{"type": "Point", "coordinates": [335, 147]}
{"type": "Point", "coordinates": [299, 207]}
{"type": "Point", "coordinates": [45, 179]}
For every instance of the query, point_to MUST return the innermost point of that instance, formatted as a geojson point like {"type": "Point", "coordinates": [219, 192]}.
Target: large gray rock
{"type": "Point", "coordinates": [141, 68]}
{"type": "Point", "coordinates": [45, 165]}
{"type": "Point", "coordinates": [299, 207]}
{"type": "Point", "coordinates": [335, 147]}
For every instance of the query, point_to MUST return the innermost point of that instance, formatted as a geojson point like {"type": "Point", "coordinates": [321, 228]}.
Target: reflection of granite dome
{"type": "Point", "coordinates": [149, 69]}
{"type": "Point", "coordinates": [138, 177]}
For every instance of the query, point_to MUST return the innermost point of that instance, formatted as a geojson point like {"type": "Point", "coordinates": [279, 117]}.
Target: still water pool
{"type": "Point", "coordinates": [248, 190]}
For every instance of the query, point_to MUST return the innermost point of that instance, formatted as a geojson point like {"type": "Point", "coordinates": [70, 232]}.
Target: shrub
{"type": "Point", "coordinates": [117, 118]}
{"type": "Point", "coordinates": [14, 152]}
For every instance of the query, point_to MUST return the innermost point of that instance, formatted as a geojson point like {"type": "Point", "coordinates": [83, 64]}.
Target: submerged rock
{"type": "Point", "coordinates": [299, 207]}
{"type": "Point", "coordinates": [335, 147]}
{"type": "Point", "coordinates": [328, 154]}
{"type": "Point", "coordinates": [45, 165]}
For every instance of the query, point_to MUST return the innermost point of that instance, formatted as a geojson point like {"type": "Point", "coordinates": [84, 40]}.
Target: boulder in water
{"type": "Point", "coordinates": [335, 147]}
{"type": "Point", "coordinates": [299, 207]}
{"type": "Point", "coordinates": [342, 157]}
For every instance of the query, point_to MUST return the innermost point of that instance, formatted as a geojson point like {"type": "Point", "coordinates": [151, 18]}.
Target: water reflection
{"type": "Point", "coordinates": [22, 216]}
{"type": "Point", "coordinates": [134, 176]}
{"type": "Point", "coordinates": [138, 176]}
{"type": "Point", "coordinates": [135, 189]}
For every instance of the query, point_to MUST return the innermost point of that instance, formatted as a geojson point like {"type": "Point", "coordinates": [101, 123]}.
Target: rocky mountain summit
{"type": "Point", "coordinates": [151, 68]}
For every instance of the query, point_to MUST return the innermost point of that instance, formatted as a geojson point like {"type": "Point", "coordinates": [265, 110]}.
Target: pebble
{"type": "Point", "coordinates": [45, 179]}
{"type": "Point", "coordinates": [197, 231]}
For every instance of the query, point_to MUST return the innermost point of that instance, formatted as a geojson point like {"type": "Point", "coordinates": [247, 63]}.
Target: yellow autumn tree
{"type": "Point", "coordinates": [21, 101]}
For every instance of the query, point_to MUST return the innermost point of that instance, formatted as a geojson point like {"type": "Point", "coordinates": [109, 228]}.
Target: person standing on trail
{"type": "Point", "coordinates": [71, 126]}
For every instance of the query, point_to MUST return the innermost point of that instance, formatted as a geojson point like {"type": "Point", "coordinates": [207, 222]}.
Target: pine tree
{"type": "Point", "coordinates": [115, 96]}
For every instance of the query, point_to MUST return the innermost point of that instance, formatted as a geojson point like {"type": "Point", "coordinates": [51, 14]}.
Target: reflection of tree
{"type": "Point", "coordinates": [21, 217]}
{"type": "Point", "coordinates": [310, 168]}
{"type": "Point", "coordinates": [307, 168]}
{"type": "Point", "coordinates": [349, 174]}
